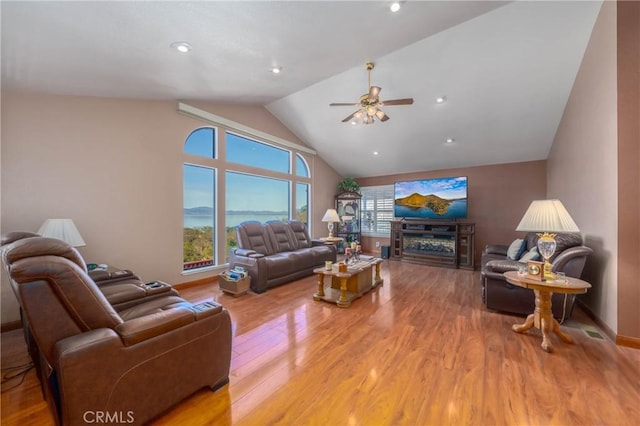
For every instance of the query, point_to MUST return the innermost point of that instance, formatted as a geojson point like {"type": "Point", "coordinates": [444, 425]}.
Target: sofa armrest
{"type": "Point", "coordinates": [143, 328]}
{"type": "Point", "coordinates": [499, 249]}
{"type": "Point", "coordinates": [243, 252]}
{"type": "Point", "coordinates": [502, 266]}
{"type": "Point", "coordinates": [255, 265]}
{"type": "Point", "coordinates": [571, 261]}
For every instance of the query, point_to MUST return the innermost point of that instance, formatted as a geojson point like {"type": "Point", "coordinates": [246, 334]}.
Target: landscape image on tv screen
{"type": "Point", "coordinates": [441, 198]}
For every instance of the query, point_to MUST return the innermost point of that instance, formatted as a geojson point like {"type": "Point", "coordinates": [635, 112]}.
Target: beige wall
{"type": "Point", "coordinates": [628, 32]}
{"type": "Point", "coordinates": [582, 165]}
{"type": "Point", "coordinates": [115, 167]}
{"type": "Point", "coordinates": [498, 196]}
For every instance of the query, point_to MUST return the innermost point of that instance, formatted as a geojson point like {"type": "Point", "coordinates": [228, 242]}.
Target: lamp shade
{"type": "Point", "coordinates": [547, 216]}
{"type": "Point", "coordinates": [62, 229]}
{"type": "Point", "coordinates": [331, 215]}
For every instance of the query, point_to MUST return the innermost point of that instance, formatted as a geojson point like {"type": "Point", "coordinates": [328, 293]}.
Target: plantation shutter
{"type": "Point", "coordinates": [377, 210]}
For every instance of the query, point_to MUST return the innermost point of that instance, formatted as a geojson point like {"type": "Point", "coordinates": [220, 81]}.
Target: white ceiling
{"type": "Point", "coordinates": [506, 68]}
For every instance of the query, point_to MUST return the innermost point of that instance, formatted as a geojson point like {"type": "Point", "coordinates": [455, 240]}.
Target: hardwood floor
{"type": "Point", "coordinates": [420, 350]}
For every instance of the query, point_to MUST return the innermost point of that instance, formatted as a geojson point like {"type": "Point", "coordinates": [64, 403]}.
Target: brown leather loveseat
{"type": "Point", "coordinates": [497, 294]}
{"type": "Point", "coordinates": [129, 364]}
{"type": "Point", "coordinates": [277, 252]}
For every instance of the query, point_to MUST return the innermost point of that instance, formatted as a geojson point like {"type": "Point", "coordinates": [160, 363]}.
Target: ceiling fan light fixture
{"type": "Point", "coordinates": [369, 103]}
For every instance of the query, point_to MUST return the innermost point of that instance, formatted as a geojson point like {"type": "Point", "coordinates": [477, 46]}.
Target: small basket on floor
{"type": "Point", "coordinates": [234, 284]}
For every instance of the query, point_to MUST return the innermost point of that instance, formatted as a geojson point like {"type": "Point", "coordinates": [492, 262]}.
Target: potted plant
{"type": "Point", "coordinates": [348, 185]}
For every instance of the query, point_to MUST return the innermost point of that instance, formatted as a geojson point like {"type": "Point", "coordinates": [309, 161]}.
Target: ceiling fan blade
{"type": "Point", "coordinates": [373, 92]}
{"type": "Point", "coordinates": [344, 104]}
{"type": "Point", "coordinates": [382, 116]}
{"type": "Point", "coordinates": [406, 101]}
{"type": "Point", "coordinates": [349, 118]}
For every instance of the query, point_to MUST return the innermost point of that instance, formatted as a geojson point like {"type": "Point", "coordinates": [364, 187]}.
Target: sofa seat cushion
{"type": "Point", "coordinates": [323, 253]}
{"type": "Point", "coordinates": [280, 264]}
{"type": "Point", "coordinates": [307, 258]}
{"type": "Point", "coordinates": [486, 258]}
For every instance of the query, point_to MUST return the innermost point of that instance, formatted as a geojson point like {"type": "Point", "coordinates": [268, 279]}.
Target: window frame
{"type": "Point", "coordinates": [220, 164]}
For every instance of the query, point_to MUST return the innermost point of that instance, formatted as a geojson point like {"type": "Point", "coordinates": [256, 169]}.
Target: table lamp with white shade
{"type": "Point", "coordinates": [547, 217]}
{"type": "Point", "coordinates": [331, 216]}
{"type": "Point", "coordinates": [62, 229]}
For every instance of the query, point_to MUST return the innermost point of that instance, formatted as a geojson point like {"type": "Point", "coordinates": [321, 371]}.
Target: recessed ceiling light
{"type": "Point", "coordinates": [395, 6]}
{"type": "Point", "coordinates": [276, 70]}
{"type": "Point", "coordinates": [441, 99]}
{"type": "Point", "coordinates": [376, 153]}
{"type": "Point", "coordinates": [181, 46]}
{"type": "Point", "coordinates": [451, 140]}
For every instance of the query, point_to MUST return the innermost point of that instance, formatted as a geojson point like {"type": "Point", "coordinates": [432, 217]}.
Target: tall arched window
{"type": "Point", "coordinates": [233, 173]}
{"type": "Point", "coordinates": [199, 183]}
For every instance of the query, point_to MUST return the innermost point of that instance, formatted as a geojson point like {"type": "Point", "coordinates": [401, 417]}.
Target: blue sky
{"type": "Point", "coordinates": [448, 188]}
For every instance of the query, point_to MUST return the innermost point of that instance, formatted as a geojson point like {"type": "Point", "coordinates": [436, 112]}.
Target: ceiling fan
{"type": "Point", "coordinates": [370, 104]}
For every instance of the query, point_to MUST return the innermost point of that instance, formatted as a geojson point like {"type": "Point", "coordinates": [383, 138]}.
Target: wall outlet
{"type": "Point", "coordinates": [377, 244]}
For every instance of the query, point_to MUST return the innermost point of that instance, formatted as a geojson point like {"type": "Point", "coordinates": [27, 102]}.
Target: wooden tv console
{"type": "Point", "coordinates": [432, 242]}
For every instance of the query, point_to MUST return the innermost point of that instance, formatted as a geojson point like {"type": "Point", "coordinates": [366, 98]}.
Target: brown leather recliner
{"type": "Point", "coordinates": [132, 364]}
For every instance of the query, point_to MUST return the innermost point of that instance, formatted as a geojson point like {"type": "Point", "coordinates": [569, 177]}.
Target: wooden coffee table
{"type": "Point", "coordinates": [542, 318]}
{"type": "Point", "coordinates": [348, 286]}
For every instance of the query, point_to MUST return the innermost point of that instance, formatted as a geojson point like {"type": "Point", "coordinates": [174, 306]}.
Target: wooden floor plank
{"type": "Point", "coordinates": [419, 350]}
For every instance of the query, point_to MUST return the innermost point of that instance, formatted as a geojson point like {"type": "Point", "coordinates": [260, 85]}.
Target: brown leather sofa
{"type": "Point", "coordinates": [132, 364]}
{"type": "Point", "coordinates": [277, 252]}
{"type": "Point", "coordinates": [497, 294]}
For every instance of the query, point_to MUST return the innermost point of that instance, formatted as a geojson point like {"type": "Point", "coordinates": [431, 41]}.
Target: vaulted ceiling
{"type": "Point", "coordinates": [505, 68]}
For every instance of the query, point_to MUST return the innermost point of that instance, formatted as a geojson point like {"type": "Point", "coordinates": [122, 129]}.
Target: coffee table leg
{"type": "Point", "coordinates": [378, 277]}
{"type": "Point", "coordinates": [343, 302]}
{"type": "Point", "coordinates": [320, 294]}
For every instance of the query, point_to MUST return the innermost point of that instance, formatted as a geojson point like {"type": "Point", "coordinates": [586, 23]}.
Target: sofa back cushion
{"type": "Point", "coordinates": [563, 242]}
{"type": "Point", "coordinates": [281, 236]}
{"type": "Point", "coordinates": [252, 235]}
{"type": "Point", "coordinates": [300, 234]}
{"type": "Point", "coordinates": [56, 295]}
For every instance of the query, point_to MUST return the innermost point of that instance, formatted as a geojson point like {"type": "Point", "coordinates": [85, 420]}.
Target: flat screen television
{"type": "Point", "coordinates": [440, 198]}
